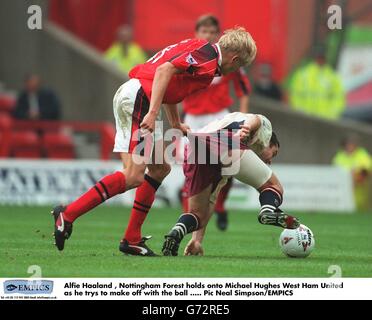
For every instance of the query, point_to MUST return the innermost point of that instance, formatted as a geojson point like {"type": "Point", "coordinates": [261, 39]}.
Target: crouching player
{"type": "Point", "coordinates": [257, 146]}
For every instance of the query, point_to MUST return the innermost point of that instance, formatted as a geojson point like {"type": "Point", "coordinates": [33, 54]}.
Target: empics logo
{"type": "Point", "coordinates": [11, 287]}
{"type": "Point", "coordinates": [28, 287]}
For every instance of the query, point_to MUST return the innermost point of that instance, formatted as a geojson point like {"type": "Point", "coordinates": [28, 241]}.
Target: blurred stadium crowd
{"type": "Point", "coordinates": [324, 79]}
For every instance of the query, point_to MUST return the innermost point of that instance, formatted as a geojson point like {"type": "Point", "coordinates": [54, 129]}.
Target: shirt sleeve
{"type": "Point", "coordinates": [241, 83]}
{"type": "Point", "coordinates": [198, 61]}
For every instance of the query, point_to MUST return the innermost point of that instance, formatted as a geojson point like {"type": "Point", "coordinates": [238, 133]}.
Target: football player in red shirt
{"type": "Point", "coordinates": [167, 78]}
{"type": "Point", "coordinates": [213, 103]}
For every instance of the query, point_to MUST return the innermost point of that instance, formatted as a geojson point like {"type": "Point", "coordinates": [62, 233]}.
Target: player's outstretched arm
{"type": "Point", "coordinates": [194, 246]}
{"type": "Point", "coordinates": [163, 75]}
{"type": "Point", "coordinates": [244, 104]}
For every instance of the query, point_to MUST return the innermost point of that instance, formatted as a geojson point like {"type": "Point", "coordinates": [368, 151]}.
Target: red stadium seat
{"type": "Point", "coordinates": [5, 121]}
{"type": "Point", "coordinates": [25, 144]}
{"type": "Point", "coordinates": [58, 146]}
{"type": "Point", "coordinates": [7, 103]}
{"type": "Point", "coordinates": [5, 133]}
{"type": "Point", "coordinates": [3, 152]}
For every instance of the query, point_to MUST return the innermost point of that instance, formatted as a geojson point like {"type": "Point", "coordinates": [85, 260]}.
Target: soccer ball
{"type": "Point", "coordinates": [297, 243]}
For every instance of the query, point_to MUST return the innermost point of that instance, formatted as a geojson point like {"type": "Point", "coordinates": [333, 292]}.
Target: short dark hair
{"type": "Point", "coordinates": [207, 20]}
{"type": "Point", "coordinates": [352, 138]}
{"type": "Point", "coordinates": [274, 140]}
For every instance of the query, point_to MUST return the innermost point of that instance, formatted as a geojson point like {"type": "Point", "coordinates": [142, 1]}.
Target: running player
{"type": "Point", "coordinates": [167, 78]}
{"type": "Point", "coordinates": [256, 148]}
{"type": "Point", "coordinates": [213, 103]}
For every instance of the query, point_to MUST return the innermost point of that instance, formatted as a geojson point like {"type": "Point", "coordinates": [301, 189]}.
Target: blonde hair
{"type": "Point", "coordinates": [239, 41]}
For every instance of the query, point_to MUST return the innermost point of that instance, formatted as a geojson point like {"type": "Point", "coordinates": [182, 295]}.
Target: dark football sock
{"type": "Point", "coordinates": [186, 223]}
{"type": "Point", "coordinates": [270, 200]}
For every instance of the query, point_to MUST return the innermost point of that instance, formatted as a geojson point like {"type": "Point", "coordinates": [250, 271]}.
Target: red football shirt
{"type": "Point", "coordinates": [217, 97]}
{"type": "Point", "coordinates": [198, 61]}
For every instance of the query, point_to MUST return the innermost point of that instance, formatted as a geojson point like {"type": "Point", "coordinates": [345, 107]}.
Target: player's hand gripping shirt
{"type": "Point", "coordinates": [257, 141]}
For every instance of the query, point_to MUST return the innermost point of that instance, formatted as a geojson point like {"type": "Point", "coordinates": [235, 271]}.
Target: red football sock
{"type": "Point", "coordinates": [108, 187]}
{"type": "Point", "coordinates": [145, 196]}
{"type": "Point", "coordinates": [222, 196]}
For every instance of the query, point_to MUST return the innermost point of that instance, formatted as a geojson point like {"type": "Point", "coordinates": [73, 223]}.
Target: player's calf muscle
{"type": "Point", "coordinates": [134, 179]}
{"type": "Point", "coordinates": [202, 216]}
{"type": "Point", "coordinates": [274, 183]}
{"type": "Point", "coordinates": [159, 171]}
{"type": "Point", "coordinates": [200, 205]}
{"type": "Point", "coordinates": [202, 219]}
{"type": "Point", "coordinates": [133, 170]}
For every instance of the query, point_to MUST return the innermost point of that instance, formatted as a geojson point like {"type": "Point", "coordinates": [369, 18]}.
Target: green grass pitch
{"type": "Point", "coordinates": [246, 249]}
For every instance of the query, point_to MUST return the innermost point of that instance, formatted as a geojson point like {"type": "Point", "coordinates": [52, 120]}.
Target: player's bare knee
{"type": "Point", "coordinates": [274, 183]}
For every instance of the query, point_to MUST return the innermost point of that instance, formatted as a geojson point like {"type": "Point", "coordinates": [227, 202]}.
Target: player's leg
{"type": "Point", "coordinates": [196, 218]}
{"type": "Point", "coordinates": [106, 188]}
{"type": "Point", "coordinates": [221, 212]}
{"type": "Point", "coordinates": [270, 199]}
{"type": "Point", "coordinates": [197, 122]}
{"type": "Point", "coordinates": [254, 172]}
{"type": "Point", "coordinates": [128, 105]}
{"type": "Point", "coordinates": [194, 247]}
{"type": "Point", "coordinates": [133, 243]}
